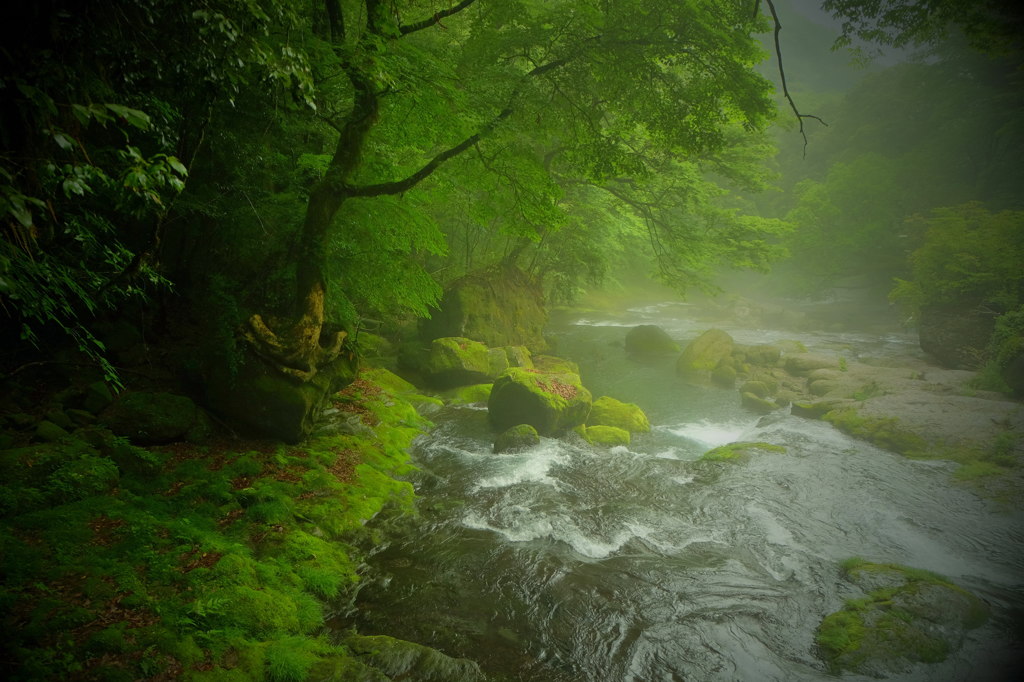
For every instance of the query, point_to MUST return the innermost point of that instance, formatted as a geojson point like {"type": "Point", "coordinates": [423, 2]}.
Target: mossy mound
{"type": "Point", "coordinates": [498, 306]}
{"type": "Point", "coordinates": [649, 340]}
{"type": "Point", "coordinates": [516, 439]}
{"type": "Point", "coordinates": [607, 411]}
{"type": "Point", "coordinates": [608, 436]}
{"type": "Point", "coordinates": [907, 616]}
{"type": "Point", "coordinates": [468, 395]}
{"type": "Point", "coordinates": [554, 365]}
{"type": "Point", "coordinates": [757, 404]}
{"type": "Point", "coordinates": [704, 353]}
{"type": "Point", "coordinates": [156, 417]}
{"type": "Point", "coordinates": [885, 432]}
{"type": "Point", "coordinates": [458, 361]}
{"type": "Point", "coordinates": [738, 451]}
{"type": "Point", "coordinates": [202, 562]}
{"type": "Point", "coordinates": [552, 403]}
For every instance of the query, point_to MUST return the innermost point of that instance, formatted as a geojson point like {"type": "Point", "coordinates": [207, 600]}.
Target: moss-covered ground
{"type": "Point", "coordinates": [193, 561]}
{"type": "Point", "coordinates": [738, 451]}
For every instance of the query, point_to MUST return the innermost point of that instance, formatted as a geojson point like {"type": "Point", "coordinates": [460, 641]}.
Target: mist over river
{"type": "Point", "coordinates": [641, 563]}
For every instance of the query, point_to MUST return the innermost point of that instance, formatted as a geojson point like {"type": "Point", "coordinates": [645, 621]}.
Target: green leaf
{"type": "Point", "coordinates": [139, 119]}
{"type": "Point", "coordinates": [177, 165]}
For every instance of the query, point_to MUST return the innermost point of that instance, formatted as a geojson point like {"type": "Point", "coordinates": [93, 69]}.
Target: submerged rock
{"type": "Point", "coordinates": [550, 402]}
{"type": "Point", "coordinates": [908, 616]}
{"type": "Point", "coordinates": [647, 340]}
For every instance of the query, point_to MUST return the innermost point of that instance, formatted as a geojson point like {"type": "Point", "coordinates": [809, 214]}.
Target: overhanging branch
{"type": "Point", "coordinates": [435, 19]}
{"type": "Point", "coordinates": [782, 75]}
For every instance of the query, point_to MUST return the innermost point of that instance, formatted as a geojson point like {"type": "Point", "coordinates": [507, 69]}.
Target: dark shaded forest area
{"type": "Point", "coordinates": [232, 233]}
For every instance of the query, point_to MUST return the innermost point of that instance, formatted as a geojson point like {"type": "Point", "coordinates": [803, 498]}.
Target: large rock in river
{"type": "Point", "coordinates": [549, 402]}
{"type": "Point", "coordinates": [704, 353]}
{"type": "Point", "coordinates": [607, 411]}
{"type": "Point", "coordinates": [456, 361]}
{"type": "Point", "coordinates": [499, 306]}
{"type": "Point", "coordinates": [649, 340]}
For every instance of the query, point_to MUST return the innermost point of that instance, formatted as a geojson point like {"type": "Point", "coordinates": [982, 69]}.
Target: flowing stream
{"type": "Point", "coordinates": [569, 562]}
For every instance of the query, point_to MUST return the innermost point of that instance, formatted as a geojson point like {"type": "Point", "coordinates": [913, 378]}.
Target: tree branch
{"type": "Point", "coordinates": [407, 183]}
{"type": "Point", "coordinates": [782, 75]}
{"type": "Point", "coordinates": [436, 19]}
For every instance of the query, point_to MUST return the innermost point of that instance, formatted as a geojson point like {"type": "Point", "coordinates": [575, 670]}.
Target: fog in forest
{"type": "Point", "coordinates": [512, 340]}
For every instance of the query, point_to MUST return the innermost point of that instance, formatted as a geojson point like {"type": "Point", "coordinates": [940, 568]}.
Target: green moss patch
{"type": "Point", "coordinates": [738, 451]}
{"type": "Point", "coordinates": [608, 411]}
{"type": "Point", "coordinates": [885, 432]}
{"type": "Point", "coordinates": [196, 561]}
{"type": "Point", "coordinates": [907, 616]}
{"type": "Point", "coordinates": [608, 436]}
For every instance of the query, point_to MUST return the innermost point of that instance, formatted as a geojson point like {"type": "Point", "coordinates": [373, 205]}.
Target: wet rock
{"type": "Point", "coordinates": [607, 411]}
{"type": "Point", "coordinates": [608, 436]}
{"type": "Point", "coordinates": [724, 376]}
{"type": "Point", "coordinates": [516, 439]}
{"type": "Point", "coordinates": [704, 353]}
{"type": "Point", "coordinates": [498, 306]}
{"type": "Point", "coordinates": [550, 402]}
{"type": "Point", "coordinates": [649, 340]}
{"type": "Point", "coordinates": [803, 364]}
{"type": "Point", "coordinates": [458, 361]}
{"type": "Point", "coordinates": [758, 388]}
{"type": "Point", "coordinates": [756, 404]}
{"type": "Point", "coordinates": [908, 616]}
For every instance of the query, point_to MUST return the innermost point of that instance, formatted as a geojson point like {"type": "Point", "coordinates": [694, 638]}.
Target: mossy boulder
{"type": "Point", "coordinates": [550, 402]}
{"type": "Point", "coordinates": [498, 306]}
{"type": "Point", "coordinates": [468, 395]}
{"type": "Point", "coordinates": [458, 361]}
{"type": "Point", "coordinates": [154, 417]}
{"type": "Point", "coordinates": [812, 410]}
{"type": "Point", "coordinates": [608, 436]}
{"type": "Point", "coordinates": [649, 340]}
{"type": "Point", "coordinates": [802, 364]}
{"type": "Point", "coordinates": [516, 439]}
{"type": "Point", "coordinates": [907, 616]}
{"type": "Point", "coordinates": [724, 375]}
{"type": "Point", "coordinates": [764, 355]}
{"type": "Point", "coordinates": [758, 388]}
{"type": "Point", "coordinates": [554, 364]}
{"type": "Point", "coordinates": [704, 353]}
{"type": "Point", "coordinates": [757, 404]}
{"type": "Point", "coordinates": [262, 400]}
{"type": "Point", "coordinates": [607, 411]}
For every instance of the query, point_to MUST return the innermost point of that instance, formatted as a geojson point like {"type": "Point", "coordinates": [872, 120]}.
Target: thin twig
{"type": "Point", "coordinates": [782, 75]}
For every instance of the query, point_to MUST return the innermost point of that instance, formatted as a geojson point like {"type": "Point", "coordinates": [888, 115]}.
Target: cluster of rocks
{"type": "Point", "coordinates": [527, 395]}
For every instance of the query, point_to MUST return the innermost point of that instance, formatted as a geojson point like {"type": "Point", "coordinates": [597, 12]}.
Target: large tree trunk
{"type": "Point", "coordinates": [294, 362]}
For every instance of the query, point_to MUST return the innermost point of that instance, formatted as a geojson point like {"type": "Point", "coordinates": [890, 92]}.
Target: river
{"type": "Point", "coordinates": [573, 563]}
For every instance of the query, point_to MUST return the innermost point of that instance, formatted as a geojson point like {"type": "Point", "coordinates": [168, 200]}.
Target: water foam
{"type": "Point", "coordinates": [711, 434]}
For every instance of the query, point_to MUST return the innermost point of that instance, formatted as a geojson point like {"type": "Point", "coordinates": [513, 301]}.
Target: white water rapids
{"type": "Point", "coordinates": [569, 562]}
